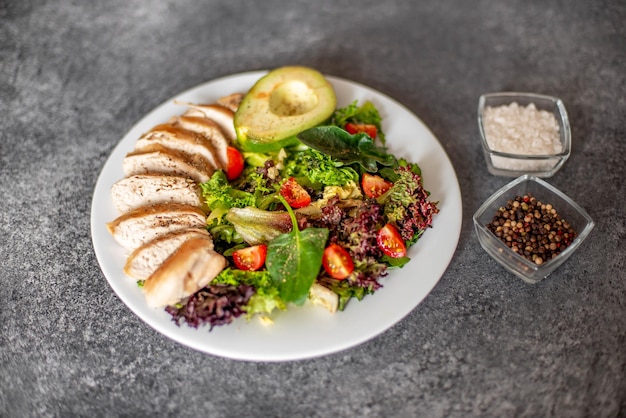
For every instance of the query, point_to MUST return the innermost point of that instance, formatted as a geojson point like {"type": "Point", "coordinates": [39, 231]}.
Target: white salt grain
{"type": "Point", "coordinates": [516, 129]}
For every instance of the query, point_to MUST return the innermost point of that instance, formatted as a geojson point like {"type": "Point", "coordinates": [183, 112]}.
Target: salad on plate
{"type": "Point", "coordinates": [281, 199]}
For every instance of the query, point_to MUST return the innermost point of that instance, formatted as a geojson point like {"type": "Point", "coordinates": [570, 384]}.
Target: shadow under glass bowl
{"type": "Point", "coordinates": [511, 164]}
{"type": "Point", "coordinates": [569, 210]}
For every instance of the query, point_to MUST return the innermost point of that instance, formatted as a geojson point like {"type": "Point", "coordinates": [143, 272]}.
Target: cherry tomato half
{"type": "Point", "coordinates": [374, 186]}
{"type": "Point", "coordinates": [235, 163]}
{"type": "Point", "coordinates": [294, 194]}
{"type": "Point", "coordinates": [250, 258]}
{"type": "Point", "coordinates": [337, 262]}
{"type": "Point", "coordinates": [390, 241]}
{"type": "Point", "coordinates": [368, 128]}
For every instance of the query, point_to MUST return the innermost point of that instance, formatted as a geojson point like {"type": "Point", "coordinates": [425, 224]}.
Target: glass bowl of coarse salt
{"type": "Point", "coordinates": [523, 133]}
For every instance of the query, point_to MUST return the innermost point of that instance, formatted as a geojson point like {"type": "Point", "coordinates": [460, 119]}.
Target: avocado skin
{"type": "Point", "coordinates": [259, 129]}
{"type": "Point", "coordinates": [251, 145]}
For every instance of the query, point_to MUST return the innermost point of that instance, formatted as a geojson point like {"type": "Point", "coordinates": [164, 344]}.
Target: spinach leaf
{"type": "Point", "coordinates": [389, 173]}
{"type": "Point", "coordinates": [294, 259]}
{"type": "Point", "coordinates": [395, 262]}
{"type": "Point", "coordinates": [348, 149]}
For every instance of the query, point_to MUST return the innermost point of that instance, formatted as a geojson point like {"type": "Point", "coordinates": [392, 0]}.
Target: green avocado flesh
{"type": "Point", "coordinates": [282, 104]}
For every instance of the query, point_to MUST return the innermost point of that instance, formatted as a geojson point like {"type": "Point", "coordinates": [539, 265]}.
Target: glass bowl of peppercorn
{"type": "Point", "coordinates": [523, 133]}
{"type": "Point", "coordinates": [530, 227]}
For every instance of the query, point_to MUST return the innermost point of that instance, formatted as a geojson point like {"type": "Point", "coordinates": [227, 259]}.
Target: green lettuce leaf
{"type": "Point", "coordinates": [346, 148]}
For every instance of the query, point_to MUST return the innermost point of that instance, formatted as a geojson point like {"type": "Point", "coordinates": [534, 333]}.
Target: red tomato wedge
{"type": "Point", "coordinates": [250, 258]}
{"type": "Point", "coordinates": [294, 194]}
{"type": "Point", "coordinates": [337, 262]}
{"type": "Point", "coordinates": [235, 163]}
{"type": "Point", "coordinates": [374, 186]}
{"type": "Point", "coordinates": [368, 128]}
{"type": "Point", "coordinates": [390, 242]}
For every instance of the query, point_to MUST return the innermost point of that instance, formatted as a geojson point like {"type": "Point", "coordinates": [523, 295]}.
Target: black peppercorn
{"type": "Point", "coordinates": [532, 229]}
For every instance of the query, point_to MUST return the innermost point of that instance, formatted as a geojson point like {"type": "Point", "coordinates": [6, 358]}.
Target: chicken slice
{"type": "Point", "coordinates": [190, 268]}
{"type": "Point", "coordinates": [146, 189]}
{"type": "Point", "coordinates": [146, 259]}
{"type": "Point", "coordinates": [223, 116]}
{"type": "Point", "coordinates": [232, 101]}
{"type": "Point", "coordinates": [159, 159]}
{"type": "Point", "coordinates": [210, 130]}
{"type": "Point", "coordinates": [133, 229]}
{"type": "Point", "coordinates": [180, 139]}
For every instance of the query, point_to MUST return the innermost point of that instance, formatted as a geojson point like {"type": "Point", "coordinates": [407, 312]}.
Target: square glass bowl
{"type": "Point", "coordinates": [547, 194]}
{"type": "Point", "coordinates": [511, 164]}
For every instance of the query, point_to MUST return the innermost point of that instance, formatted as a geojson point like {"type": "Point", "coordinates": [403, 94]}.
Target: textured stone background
{"type": "Point", "coordinates": [75, 76]}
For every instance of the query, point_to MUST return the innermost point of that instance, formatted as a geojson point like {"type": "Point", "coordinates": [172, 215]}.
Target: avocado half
{"type": "Point", "coordinates": [282, 104]}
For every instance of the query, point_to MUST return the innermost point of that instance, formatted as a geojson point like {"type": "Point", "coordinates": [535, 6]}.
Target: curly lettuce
{"type": "Point", "coordinates": [314, 169]}
{"type": "Point", "coordinates": [220, 196]}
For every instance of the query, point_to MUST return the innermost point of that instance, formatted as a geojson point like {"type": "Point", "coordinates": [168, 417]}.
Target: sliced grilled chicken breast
{"type": "Point", "coordinates": [180, 139]}
{"type": "Point", "coordinates": [146, 189]}
{"type": "Point", "coordinates": [135, 228]}
{"type": "Point", "coordinates": [210, 130]}
{"type": "Point", "coordinates": [159, 159]}
{"type": "Point", "coordinates": [223, 116]}
{"type": "Point", "coordinates": [190, 268]}
{"type": "Point", "coordinates": [146, 259]}
{"type": "Point", "coordinates": [232, 101]}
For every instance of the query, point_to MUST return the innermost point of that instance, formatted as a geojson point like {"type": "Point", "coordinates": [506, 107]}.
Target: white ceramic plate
{"type": "Point", "coordinates": [300, 332]}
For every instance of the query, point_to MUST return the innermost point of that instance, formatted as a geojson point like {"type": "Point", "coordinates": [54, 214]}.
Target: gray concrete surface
{"type": "Point", "coordinates": [75, 76]}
